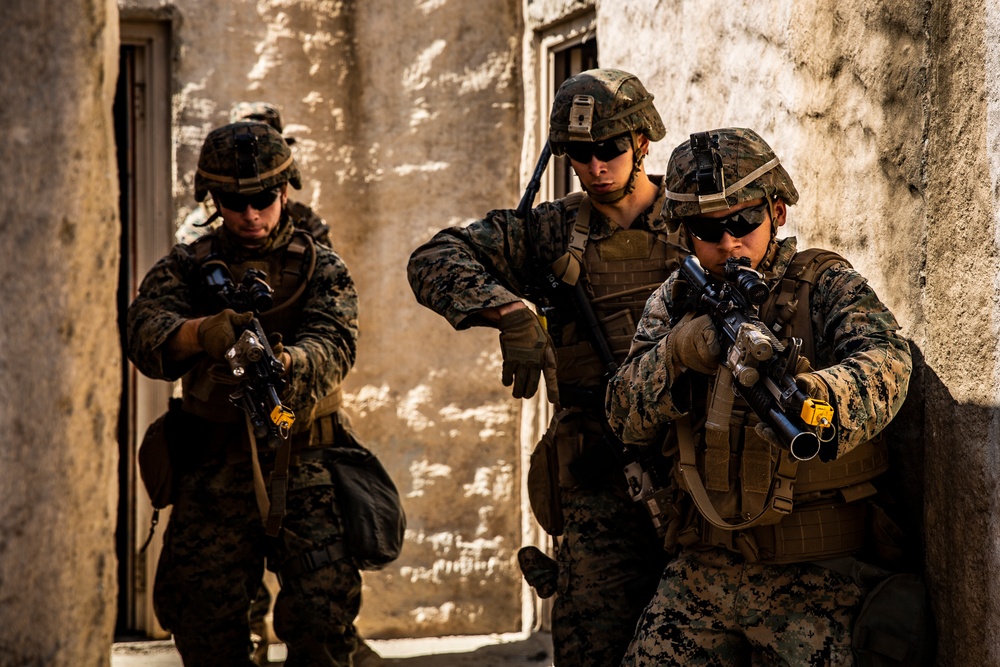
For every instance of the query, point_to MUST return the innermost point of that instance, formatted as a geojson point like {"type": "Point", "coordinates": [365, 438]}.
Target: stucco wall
{"type": "Point", "coordinates": [407, 120]}
{"type": "Point", "coordinates": [409, 117]}
{"type": "Point", "coordinates": [59, 358]}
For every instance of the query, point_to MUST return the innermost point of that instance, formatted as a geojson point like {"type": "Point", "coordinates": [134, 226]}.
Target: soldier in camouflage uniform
{"type": "Point", "coordinates": [204, 217]}
{"type": "Point", "coordinates": [610, 246]}
{"type": "Point", "coordinates": [758, 581]}
{"type": "Point", "coordinates": [215, 545]}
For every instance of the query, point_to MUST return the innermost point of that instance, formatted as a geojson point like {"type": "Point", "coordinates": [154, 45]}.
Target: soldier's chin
{"type": "Point", "coordinates": [253, 236]}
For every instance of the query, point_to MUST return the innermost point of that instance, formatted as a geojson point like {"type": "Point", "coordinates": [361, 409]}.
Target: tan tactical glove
{"type": "Point", "coordinates": [218, 333]}
{"type": "Point", "coordinates": [527, 352]}
{"type": "Point", "coordinates": [811, 385]}
{"type": "Point", "coordinates": [695, 344]}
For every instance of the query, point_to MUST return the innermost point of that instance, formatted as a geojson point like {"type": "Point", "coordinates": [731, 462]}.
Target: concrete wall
{"type": "Point", "coordinates": [406, 117]}
{"type": "Point", "coordinates": [59, 358]}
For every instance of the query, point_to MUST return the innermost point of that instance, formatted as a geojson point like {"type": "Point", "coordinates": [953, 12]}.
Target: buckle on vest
{"type": "Point", "coordinates": [782, 505]}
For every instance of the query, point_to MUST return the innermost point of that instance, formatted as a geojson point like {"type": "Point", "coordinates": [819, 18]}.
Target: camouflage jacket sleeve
{"type": "Point", "coordinates": [165, 300]}
{"type": "Point", "coordinates": [491, 262]}
{"type": "Point", "coordinates": [860, 354]}
{"type": "Point", "coordinates": [327, 340]}
{"type": "Point", "coordinates": [640, 402]}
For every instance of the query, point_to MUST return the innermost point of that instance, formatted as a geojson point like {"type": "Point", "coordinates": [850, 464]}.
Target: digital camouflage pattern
{"type": "Point", "coordinates": [256, 148]}
{"type": "Point", "coordinates": [212, 561]}
{"type": "Point", "coordinates": [322, 351]}
{"type": "Point", "coordinates": [742, 151]}
{"type": "Point", "coordinates": [866, 365]}
{"type": "Point", "coordinates": [610, 557]}
{"type": "Point", "coordinates": [609, 565]}
{"type": "Point", "coordinates": [714, 609]}
{"type": "Point", "coordinates": [859, 355]}
{"type": "Point", "coordinates": [621, 104]}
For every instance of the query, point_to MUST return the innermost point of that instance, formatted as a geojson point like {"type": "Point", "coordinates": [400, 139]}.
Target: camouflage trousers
{"type": "Point", "coordinates": [213, 559]}
{"type": "Point", "coordinates": [713, 608]}
{"type": "Point", "coordinates": [609, 562]}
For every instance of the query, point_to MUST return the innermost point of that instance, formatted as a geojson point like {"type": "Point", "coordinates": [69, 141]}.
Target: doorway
{"type": "Point", "coordinates": [142, 136]}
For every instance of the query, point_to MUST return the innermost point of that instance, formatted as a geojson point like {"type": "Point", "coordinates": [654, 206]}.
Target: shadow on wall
{"type": "Point", "coordinates": [901, 490]}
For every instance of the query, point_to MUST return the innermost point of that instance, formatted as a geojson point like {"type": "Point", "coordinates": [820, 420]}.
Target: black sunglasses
{"type": "Point", "coordinates": [739, 224]}
{"type": "Point", "coordinates": [605, 151]}
{"type": "Point", "coordinates": [235, 201]}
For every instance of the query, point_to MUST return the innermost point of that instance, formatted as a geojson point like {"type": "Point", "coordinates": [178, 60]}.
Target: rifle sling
{"type": "Point", "coordinates": [272, 510]}
{"type": "Point", "coordinates": [779, 501]}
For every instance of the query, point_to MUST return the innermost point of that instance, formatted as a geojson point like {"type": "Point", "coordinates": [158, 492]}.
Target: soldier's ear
{"type": "Point", "coordinates": [780, 211]}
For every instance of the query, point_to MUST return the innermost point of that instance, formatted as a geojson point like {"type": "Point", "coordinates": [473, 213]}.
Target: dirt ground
{"type": "Point", "coordinates": [508, 650]}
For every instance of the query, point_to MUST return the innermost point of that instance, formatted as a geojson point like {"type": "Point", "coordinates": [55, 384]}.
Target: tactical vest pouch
{"type": "Point", "coordinates": [374, 520]}
{"type": "Point", "coordinates": [543, 483]}
{"type": "Point", "coordinates": [894, 627]}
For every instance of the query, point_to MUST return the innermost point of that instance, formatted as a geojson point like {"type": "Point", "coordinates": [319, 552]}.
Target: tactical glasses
{"type": "Point", "coordinates": [605, 151]}
{"type": "Point", "coordinates": [235, 201]}
{"type": "Point", "coordinates": [739, 224]}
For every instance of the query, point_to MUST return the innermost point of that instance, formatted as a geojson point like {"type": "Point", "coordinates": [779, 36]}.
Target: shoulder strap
{"type": "Point", "coordinates": [203, 248]}
{"type": "Point", "coordinates": [568, 267]}
{"type": "Point", "coordinates": [803, 271]}
{"type": "Point", "coordinates": [779, 498]}
{"type": "Point", "coordinates": [301, 248]}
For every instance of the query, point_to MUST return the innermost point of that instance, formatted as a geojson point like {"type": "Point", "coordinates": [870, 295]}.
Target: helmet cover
{"type": "Point", "coordinates": [244, 157]}
{"type": "Point", "coordinates": [599, 104]}
{"type": "Point", "coordinates": [719, 169]}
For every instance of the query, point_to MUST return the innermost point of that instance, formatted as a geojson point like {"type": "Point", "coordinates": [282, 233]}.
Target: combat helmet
{"type": "Point", "coordinates": [244, 157]}
{"type": "Point", "coordinates": [599, 104]}
{"type": "Point", "coordinates": [262, 112]}
{"type": "Point", "coordinates": [718, 169]}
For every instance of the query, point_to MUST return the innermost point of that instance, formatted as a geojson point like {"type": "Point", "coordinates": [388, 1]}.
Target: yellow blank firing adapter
{"type": "Point", "coordinates": [283, 418]}
{"type": "Point", "coordinates": [817, 413]}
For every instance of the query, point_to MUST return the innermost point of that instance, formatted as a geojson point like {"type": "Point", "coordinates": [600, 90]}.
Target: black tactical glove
{"type": "Point", "coordinates": [527, 352]}
{"type": "Point", "coordinates": [218, 333]}
{"type": "Point", "coordinates": [694, 344]}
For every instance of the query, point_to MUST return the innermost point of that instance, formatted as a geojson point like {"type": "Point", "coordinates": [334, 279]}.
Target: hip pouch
{"type": "Point", "coordinates": [543, 483]}
{"type": "Point", "coordinates": [374, 520]}
{"type": "Point", "coordinates": [156, 462]}
{"type": "Point", "coordinates": [895, 626]}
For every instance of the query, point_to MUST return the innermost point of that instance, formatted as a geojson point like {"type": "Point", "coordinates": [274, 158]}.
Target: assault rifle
{"type": "Point", "coordinates": [762, 366]}
{"type": "Point", "coordinates": [251, 359]}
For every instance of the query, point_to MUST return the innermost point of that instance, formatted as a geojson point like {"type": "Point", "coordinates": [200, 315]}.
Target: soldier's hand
{"type": "Point", "coordinates": [527, 353]}
{"type": "Point", "coordinates": [767, 433]}
{"type": "Point", "coordinates": [274, 340]}
{"type": "Point", "coordinates": [811, 385]}
{"type": "Point", "coordinates": [216, 334]}
{"type": "Point", "coordinates": [695, 344]}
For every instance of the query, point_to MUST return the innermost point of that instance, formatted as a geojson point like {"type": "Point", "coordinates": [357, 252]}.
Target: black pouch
{"type": "Point", "coordinates": [156, 462]}
{"type": "Point", "coordinates": [894, 627]}
{"type": "Point", "coordinates": [374, 520]}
